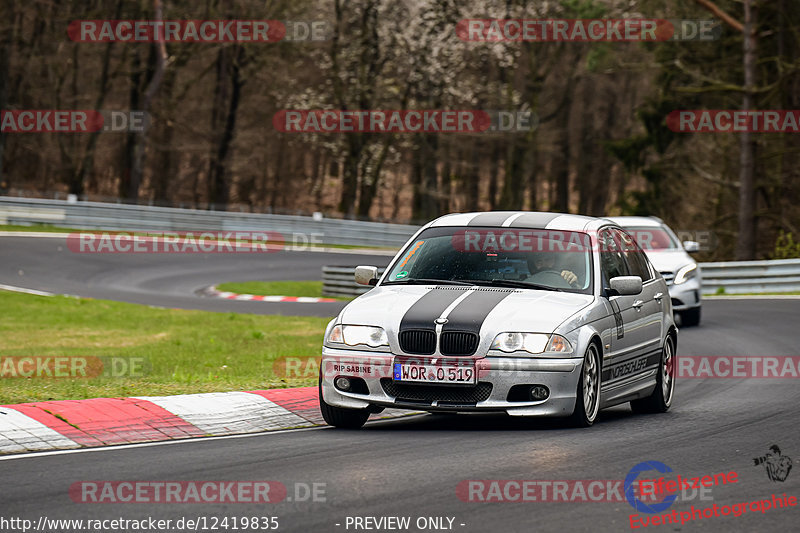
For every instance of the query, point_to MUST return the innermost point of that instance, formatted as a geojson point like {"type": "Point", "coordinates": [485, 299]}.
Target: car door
{"type": "Point", "coordinates": [628, 344]}
{"type": "Point", "coordinates": [649, 303]}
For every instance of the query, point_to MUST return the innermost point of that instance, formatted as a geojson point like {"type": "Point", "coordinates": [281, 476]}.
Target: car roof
{"type": "Point", "coordinates": [639, 222]}
{"type": "Point", "coordinates": [521, 219]}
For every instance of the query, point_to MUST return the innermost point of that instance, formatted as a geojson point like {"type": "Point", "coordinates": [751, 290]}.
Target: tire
{"type": "Point", "coordinates": [587, 395]}
{"type": "Point", "coordinates": [661, 398]}
{"type": "Point", "coordinates": [690, 317]}
{"type": "Point", "coordinates": [341, 417]}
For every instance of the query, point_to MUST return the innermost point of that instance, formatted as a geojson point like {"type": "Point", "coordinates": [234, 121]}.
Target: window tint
{"type": "Point", "coordinates": [637, 262]}
{"type": "Point", "coordinates": [612, 259]}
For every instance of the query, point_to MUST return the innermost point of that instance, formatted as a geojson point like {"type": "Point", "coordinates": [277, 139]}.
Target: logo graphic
{"type": "Point", "coordinates": [778, 466]}
{"type": "Point", "coordinates": [630, 485]}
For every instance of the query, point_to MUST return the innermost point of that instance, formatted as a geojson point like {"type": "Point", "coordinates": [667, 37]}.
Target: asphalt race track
{"type": "Point", "coordinates": [412, 467]}
{"type": "Point", "coordinates": [166, 280]}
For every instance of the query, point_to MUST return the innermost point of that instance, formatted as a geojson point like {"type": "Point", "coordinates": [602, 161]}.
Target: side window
{"type": "Point", "coordinates": [612, 260]}
{"type": "Point", "coordinates": [637, 261]}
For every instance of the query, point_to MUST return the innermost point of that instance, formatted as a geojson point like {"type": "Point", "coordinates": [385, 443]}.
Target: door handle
{"type": "Point", "coordinates": [638, 304]}
{"type": "Point", "coordinates": [658, 296]}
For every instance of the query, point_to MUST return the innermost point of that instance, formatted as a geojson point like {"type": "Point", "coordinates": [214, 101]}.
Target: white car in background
{"type": "Point", "coordinates": [670, 257]}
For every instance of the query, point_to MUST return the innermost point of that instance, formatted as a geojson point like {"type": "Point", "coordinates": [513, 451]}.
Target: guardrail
{"type": "Point", "coordinates": [734, 277]}
{"type": "Point", "coordinates": [737, 277]}
{"type": "Point", "coordinates": [142, 218]}
{"type": "Point", "coordinates": [339, 281]}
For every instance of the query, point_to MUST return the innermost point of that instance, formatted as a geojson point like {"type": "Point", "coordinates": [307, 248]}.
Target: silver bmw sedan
{"type": "Point", "coordinates": [531, 314]}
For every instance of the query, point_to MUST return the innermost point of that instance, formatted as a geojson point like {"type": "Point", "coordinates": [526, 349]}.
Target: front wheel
{"type": "Point", "coordinates": [341, 417]}
{"type": "Point", "coordinates": [661, 399]}
{"type": "Point", "coordinates": [587, 403]}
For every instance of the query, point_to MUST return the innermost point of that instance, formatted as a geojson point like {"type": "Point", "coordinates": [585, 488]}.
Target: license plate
{"type": "Point", "coordinates": [439, 372]}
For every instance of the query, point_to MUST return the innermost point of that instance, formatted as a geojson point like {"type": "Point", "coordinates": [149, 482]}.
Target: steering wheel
{"type": "Point", "coordinates": [551, 278]}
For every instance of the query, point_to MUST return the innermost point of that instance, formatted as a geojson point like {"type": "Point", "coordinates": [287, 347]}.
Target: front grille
{"type": "Point", "coordinates": [439, 393]}
{"type": "Point", "coordinates": [418, 341]}
{"type": "Point", "coordinates": [458, 343]}
{"type": "Point", "coordinates": [668, 277]}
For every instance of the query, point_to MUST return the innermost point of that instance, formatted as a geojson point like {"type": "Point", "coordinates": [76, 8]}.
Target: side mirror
{"type": "Point", "coordinates": [366, 275]}
{"type": "Point", "coordinates": [626, 285]}
{"type": "Point", "coordinates": [691, 246]}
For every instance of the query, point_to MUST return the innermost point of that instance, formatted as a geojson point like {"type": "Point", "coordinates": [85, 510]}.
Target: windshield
{"type": "Point", "coordinates": [502, 257]}
{"type": "Point", "coordinates": [653, 238]}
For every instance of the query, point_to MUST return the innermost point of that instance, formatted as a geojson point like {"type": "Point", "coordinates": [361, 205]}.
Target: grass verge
{"type": "Point", "coordinates": [183, 351]}
{"type": "Point", "coordinates": [790, 293]}
{"type": "Point", "coordinates": [277, 288]}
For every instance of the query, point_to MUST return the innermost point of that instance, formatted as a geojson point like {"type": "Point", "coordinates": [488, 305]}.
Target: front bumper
{"type": "Point", "coordinates": [559, 375]}
{"type": "Point", "coordinates": [686, 295]}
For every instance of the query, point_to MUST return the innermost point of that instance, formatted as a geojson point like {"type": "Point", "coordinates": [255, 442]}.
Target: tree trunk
{"type": "Point", "coordinates": [513, 195]}
{"type": "Point", "coordinates": [228, 96]}
{"type": "Point", "coordinates": [559, 170]}
{"type": "Point", "coordinates": [371, 180]}
{"type": "Point", "coordinates": [347, 199]}
{"type": "Point", "coordinates": [494, 174]}
{"type": "Point", "coordinates": [155, 65]}
{"type": "Point", "coordinates": [746, 243]}
{"type": "Point", "coordinates": [5, 46]}
{"type": "Point", "coordinates": [424, 204]}
{"type": "Point", "coordinates": [130, 156]}
{"type": "Point", "coordinates": [472, 180]}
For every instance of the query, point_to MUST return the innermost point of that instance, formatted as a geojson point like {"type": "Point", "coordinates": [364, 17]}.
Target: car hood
{"type": "Point", "coordinates": [669, 260]}
{"type": "Point", "coordinates": [484, 310]}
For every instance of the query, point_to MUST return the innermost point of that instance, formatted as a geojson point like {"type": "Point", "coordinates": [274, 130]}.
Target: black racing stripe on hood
{"type": "Point", "coordinates": [430, 307]}
{"type": "Point", "coordinates": [470, 313]}
{"type": "Point", "coordinates": [492, 218]}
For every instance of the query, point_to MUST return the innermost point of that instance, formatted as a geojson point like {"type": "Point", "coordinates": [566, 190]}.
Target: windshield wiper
{"type": "Point", "coordinates": [513, 283]}
{"type": "Point", "coordinates": [427, 281]}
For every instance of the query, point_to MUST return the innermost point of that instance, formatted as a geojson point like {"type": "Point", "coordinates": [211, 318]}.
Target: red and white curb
{"type": "Point", "coordinates": [214, 293]}
{"type": "Point", "coordinates": [69, 424]}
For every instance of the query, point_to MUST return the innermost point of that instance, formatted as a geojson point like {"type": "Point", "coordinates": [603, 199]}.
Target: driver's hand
{"type": "Point", "coordinates": [569, 277]}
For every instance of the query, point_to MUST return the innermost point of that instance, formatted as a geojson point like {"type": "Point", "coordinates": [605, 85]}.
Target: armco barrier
{"type": "Point", "coordinates": [339, 281]}
{"type": "Point", "coordinates": [738, 277]}
{"type": "Point", "coordinates": [141, 218]}
{"type": "Point", "coordinates": [734, 277]}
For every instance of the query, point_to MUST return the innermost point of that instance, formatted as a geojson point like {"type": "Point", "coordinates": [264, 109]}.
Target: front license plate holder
{"type": "Point", "coordinates": [434, 371]}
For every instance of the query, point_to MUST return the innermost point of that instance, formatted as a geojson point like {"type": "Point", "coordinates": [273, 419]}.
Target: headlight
{"type": "Point", "coordinates": [515, 342]}
{"type": "Point", "coordinates": [372, 336]}
{"type": "Point", "coordinates": [685, 273]}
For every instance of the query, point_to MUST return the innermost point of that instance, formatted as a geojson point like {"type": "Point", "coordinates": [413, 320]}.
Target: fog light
{"type": "Point", "coordinates": [342, 383]}
{"type": "Point", "coordinates": [539, 393]}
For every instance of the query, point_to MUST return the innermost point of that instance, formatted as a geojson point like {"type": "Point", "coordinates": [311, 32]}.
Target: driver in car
{"type": "Point", "coordinates": [546, 261]}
